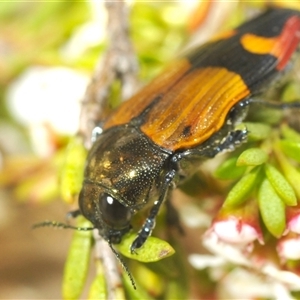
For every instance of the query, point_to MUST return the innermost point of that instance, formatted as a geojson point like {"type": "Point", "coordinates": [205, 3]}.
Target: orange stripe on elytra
{"type": "Point", "coordinates": [261, 45]}
{"type": "Point", "coordinates": [281, 46]}
{"type": "Point", "coordinates": [201, 101]}
{"type": "Point", "coordinates": [158, 87]}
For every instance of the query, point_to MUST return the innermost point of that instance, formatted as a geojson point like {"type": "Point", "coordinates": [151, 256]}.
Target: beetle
{"type": "Point", "coordinates": [156, 139]}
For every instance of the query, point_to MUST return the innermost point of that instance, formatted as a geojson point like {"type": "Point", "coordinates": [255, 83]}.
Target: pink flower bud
{"type": "Point", "coordinates": [293, 219]}
{"type": "Point", "coordinates": [237, 225]}
{"type": "Point", "coordinates": [288, 247]}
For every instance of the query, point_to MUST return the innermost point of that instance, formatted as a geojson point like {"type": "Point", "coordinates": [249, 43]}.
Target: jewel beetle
{"type": "Point", "coordinates": [156, 139]}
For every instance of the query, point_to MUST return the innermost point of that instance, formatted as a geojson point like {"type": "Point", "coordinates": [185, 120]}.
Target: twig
{"type": "Point", "coordinates": [118, 63]}
{"type": "Point", "coordinates": [110, 267]}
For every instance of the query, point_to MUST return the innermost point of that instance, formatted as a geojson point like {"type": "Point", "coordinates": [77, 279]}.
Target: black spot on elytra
{"type": "Point", "coordinates": [186, 131]}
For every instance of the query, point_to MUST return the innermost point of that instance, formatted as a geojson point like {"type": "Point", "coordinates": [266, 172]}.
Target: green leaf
{"type": "Point", "coordinates": [257, 131]}
{"type": "Point", "coordinates": [238, 194]}
{"type": "Point", "coordinates": [140, 292]}
{"type": "Point", "coordinates": [175, 290]}
{"type": "Point", "coordinates": [229, 170]}
{"type": "Point", "coordinates": [72, 170]}
{"type": "Point", "coordinates": [76, 266]}
{"type": "Point", "coordinates": [252, 157]}
{"type": "Point", "coordinates": [272, 209]}
{"type": "Point", "coordinates": [281, 185]}
{"type": "Point", "coordinates": [154, 249]}
{"type": "Point", "coordinates": [98, 288]}
{"type": "Point", "coordinates": [291, 92]}
{"type": "Point", "coordinates": [291, 149]}
{"type": "Point", "coordinates": [290, 134]}
{"type": "Point", "coordinates": [267, 115]}
{"type": "Point", "coordinates": [290, 172]}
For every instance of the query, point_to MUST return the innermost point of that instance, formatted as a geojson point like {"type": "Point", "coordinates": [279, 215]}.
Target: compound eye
{"type": "Point", "coordinates": [113, 212]}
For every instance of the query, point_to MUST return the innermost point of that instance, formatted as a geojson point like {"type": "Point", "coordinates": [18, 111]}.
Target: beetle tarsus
{"type": "Point", "coordinates": [147, 228]}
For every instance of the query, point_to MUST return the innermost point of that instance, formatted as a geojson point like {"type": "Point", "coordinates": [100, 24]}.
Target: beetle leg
{"type": "Point", "coordinates": [218, 144]}
{"type": "Point", "coordinates": [275, 104]}
{"type": "Point", "coordinates": [149, 224]}
{"type": "Point", "coordinates": [232, 140]}
{"type": "Point", "coordinates": [238, 113]}
{"type": "Point", "coordinates": [290, 110]}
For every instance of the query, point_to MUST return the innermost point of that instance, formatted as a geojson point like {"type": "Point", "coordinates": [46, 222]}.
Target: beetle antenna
{"type": "Point", "coordinates": [60, 225]}
{"type": "Point", "coordinates": [67, 226]}
{"type": "Point", "coordinates": [123, 264]}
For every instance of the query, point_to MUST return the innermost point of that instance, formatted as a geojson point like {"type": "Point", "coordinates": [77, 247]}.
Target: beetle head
{"type": "Point", "coordinates": [106, 213]}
